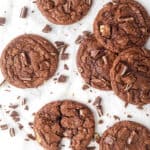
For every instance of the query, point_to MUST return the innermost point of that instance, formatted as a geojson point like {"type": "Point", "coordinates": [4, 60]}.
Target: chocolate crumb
{"type": "Point", "coordinates": [2, 22]}
{"type": "Point", "coordinates": [61, 46]}
{"type": "Point", "coordinates": [47, 29]}
{"type": "Point", "coordinates": [116, 117]}
{"type": "Point", "coordinates": [129, 116]}
{"type": "Point", "coordinates": [85, 87]}
{"type": "Point", "coordinates": [13, 106]}
{"type": "Point", "coordinates": [20, 126]}
{"type": "Point", "coordinates": [62, 78]}
{"type": "Point", "coordinates": [99, 110]}
{"type": "Point", "coordinates": [66, 67]}
{"type": "Point", "coordinates": [100, 121]}
{"type": "Point", "coordinates": [26, 107]}
{"type": "Point", "coordinates": [15, 116]}
{"type": "Point", "coordinates": [89, 101]}
{"type": "Point", "coordinates": [24, 12]}
{"type": "Point", "coordinates": [97, 101]}
{"type": "Point", "coordinates": [4, 127]}
{"type": "Point", "coordinates": [12, 132]}
{"type": "Point", "coordinates": [30, 136]}
{"type": "Point", "coordinates": [3, 82]}
{"type": "Point", "coordinates": [64, 56]}
{"type": "Point", "coordinates": [23, 102]}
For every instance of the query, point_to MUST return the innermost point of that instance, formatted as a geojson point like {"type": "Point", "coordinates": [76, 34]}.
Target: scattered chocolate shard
{"type": "Point", "coordinates": [97, 101]}
{"type": "Point", "coordinates": [87, 33]}
{"type": "Point", "coordinates": [129, 116]}
{"type": "Point", "coordinates": [12, 132]}
{"type": "Point", "coordinates": [66, 67]}
{"type": "Point", "coordinates": [13, 106]}
{"type": "Point", "coordinates": [20, 126]}
{"type": "Point", "coordinates": [4, 127]}
{"type": "Point", "coordinates": [79, 39]}
{"type": "Point", "coordinates": [30, 136]}
{"type": "Point", "coordinates": [64, 56]}
{"type": "Point", "coordinates": [26, 107]}
{"type": "Point", "coordinates": [2, 22]}
{"type": "Point", "coordinates": [85, 87]}
{"type": "Point", "coordinates": [99, 110]}
{"type": "Point", "coordinates": [15, 116]}
{"type": "Point", "coordinates": [116, 117]}
{"type": "Point", "coordinates": [47, 29]}
{"type": "Point", "coordinates": [23, 102]}
{"type": "Point", "coordinates": [2, 83]}
{"type": "Point", "coordinates": [24, 12]}
{"type": "Point", "coordinates": [61, 46]}
{"type": "Point", "coordinates": [62, 78]}
{"type": "Point", "coordinates": [100, 121]}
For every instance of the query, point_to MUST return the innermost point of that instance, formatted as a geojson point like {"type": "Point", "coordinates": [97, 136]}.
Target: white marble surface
{"type": "Point", "coordinates": [71, 90]}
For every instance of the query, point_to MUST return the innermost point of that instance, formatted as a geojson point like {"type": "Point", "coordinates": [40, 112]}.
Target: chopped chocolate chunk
{"type": "Point", "coordinates": [2, 22]}
{"type": "Point", "coordinates": [23, 102]}
{"type": "Point", "coordinates": [47, 29]}
{"type": "Point", "coordinates": [4, 127]}
{"type": "Point", "coordinates": [12, 132]}
{"type": "Point", "coordinates": [2, 83]}
{"type": "Point", "coordinates": [100, 121]}
{"type": "Point", "coordinates": [13, 106]}
{"type": "Point", "coordinates": [62, 78]}
{"type": "Point", "coordinates": [85, 87]}
{"type": "Point", "coordinates": [15, 116]}
{"type": "Point", "coordinates": [30, 136]}
{"type": "Point", "coordinates": [116, 117]}
{"type": "Point", "coordinates": [99, 110]}
{"type": "Point", "coordinates": [60, 45]}
{"type": "Point", "coordinates": [20, 126]}
{"type": "Point", "coordinates": [24, 12]}
{"type": "Point", "coordinates": [97, 101]}
{"type": "Point", "coordinates": [66, 67]}
{"type": "Point", "coordinates": [129, 116]}
{"type": "Point", "coordinates": [26, 107]}
{"type": "Point", "coordinates": [64, 56]}
{"type": "Point", "coordinates": [79, 39]}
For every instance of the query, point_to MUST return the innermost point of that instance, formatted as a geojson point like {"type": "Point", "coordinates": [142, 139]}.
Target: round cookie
{"type": "Point", "coordinates": [28, 61]}
{"type": "Point", "coordinates": [121, 25]}
{"type": "Point", "coordinates": [64, 11]}
{"type": "Point", "coordinates": [130, 76]}
{"type": "Point", "coordinates": [126, 135]}
{"type": "Point", "coordinates": [64, 119]}
{"type": "Point", "coordinates": [94, 63]}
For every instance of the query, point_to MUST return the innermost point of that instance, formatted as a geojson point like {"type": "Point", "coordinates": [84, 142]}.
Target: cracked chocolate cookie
{"type": "Point", "coordinates": [121, 25]}
{"type": "Point", "coordinates": [94, 63]}
{"type": "Point", "coordinates": [130, 76]}
{"type": "Point", "coordinates": [60, 119]}
{"type": "Point", "coordinates": [28, 61]}
{"type": "Point", "coordinates": [64, 11]}
{"type": "Point", "coordinates": [126, 135]}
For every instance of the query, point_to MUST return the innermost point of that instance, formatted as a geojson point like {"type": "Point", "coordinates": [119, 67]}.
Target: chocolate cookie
{"type": "Point", "coordinates": [121, 25]}
{"type": "Point", "coordinates": [28, 61]}
{"type": "Point", "coordinates": [94, 63]}
{"type": "Point", "coordinates": [64, 11]}
{"type": "Point", "coordinates": [60, 119]}
{"type": "Point", "coordinates": [126, 135]}
{"type": "Point", "coordinates": [130, 76]}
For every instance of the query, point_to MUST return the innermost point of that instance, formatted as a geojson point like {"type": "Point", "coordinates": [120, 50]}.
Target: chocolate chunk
{"type": "Point", "coordinates": [2, 21]}
{"type": "Point", "coordinates": [24, 12]}
{"type": "Point", "coordinates": [62, 78]}
{"type": "Point", "coordinates": [4, 127]}
{"type": "Point", "coordinates": [12, 132]}
{"type": "Point", "coordinates": [30, 136]}
{"type": "Point", "coordinates": [47, 28]}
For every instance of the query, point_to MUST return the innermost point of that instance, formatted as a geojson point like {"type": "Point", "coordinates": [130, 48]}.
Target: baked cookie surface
{"type": "Point", "coordinates": [94, 63]}
{"type": "Point", "coordinates": [64, 11]}
{"type": "Point", "coordinates": [28, 61]}
{"type": "Point", "coordinates": [60, 119]}
{"type": "Point", "coordinates": [122, 24]}
{"type": "Point", "coordinates": [126, 135]}
{"type": "Point", "coordinates": [130, 76]}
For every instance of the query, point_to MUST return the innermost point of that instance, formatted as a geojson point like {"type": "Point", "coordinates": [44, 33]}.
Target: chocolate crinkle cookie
{"type": "Point", "coordinates": [64, 119]}
{"type": "Point", "coordinates": [64, 11]}
{"type": "Point", "coordinates": [130, 76]}
{"type": "Point", "coordinates": [122, 24]}
{"type": "Point", "coordinates": [94, 63]}
{"type": "Point", "coordinates": [28, 61]}
{"type": "Point", "coordinates": [126, 135]}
